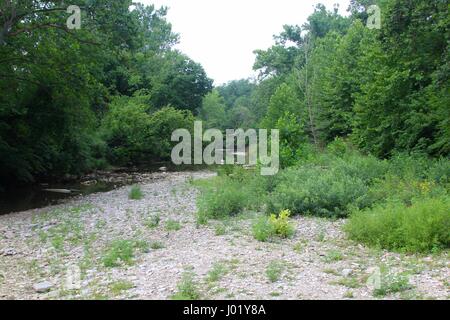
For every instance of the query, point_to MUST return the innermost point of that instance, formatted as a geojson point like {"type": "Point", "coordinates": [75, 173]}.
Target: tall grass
{"type": "Point", "coordinates": [422, 227]}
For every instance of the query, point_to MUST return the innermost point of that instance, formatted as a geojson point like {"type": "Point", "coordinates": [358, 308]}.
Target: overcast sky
{"type": "Point", "coordinates": [222, 34]}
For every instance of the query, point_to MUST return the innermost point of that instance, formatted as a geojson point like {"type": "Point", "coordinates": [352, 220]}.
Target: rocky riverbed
{"type": "Point", "coordinates": [106, 246]}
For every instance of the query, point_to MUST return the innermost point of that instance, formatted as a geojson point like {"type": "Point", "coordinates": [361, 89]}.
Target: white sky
{"type": "Point", "coordinates": [222, 34]}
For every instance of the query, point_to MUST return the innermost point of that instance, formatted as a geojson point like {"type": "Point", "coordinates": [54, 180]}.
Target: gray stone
{"type": "Point", "coordinates": [347, 272]}
{"type": "Point", "coordinates": [8, 252]}
{"type": "Point", "coordinates": [43, 287]}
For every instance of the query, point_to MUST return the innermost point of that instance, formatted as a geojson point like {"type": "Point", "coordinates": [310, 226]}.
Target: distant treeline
{"type": "Point", "coordinates": [386, 90]}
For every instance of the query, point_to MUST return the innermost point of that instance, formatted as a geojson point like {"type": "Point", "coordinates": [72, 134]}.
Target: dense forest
{"type": "Point", "coordinates": [75, 100]}
{"type": "Point", "coordinates": [112, 92]}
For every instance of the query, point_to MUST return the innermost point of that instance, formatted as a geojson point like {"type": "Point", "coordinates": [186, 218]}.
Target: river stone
{"type": "Point", "coordinates": [8, 252]}
{"type": "Point", "coordinates": [347, 272]}
{"type": "Point", "coordinates": [43, 287]}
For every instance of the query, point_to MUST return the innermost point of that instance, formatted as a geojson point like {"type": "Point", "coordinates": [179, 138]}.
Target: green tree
{"type": "Point", "coordinates": [213, 110]}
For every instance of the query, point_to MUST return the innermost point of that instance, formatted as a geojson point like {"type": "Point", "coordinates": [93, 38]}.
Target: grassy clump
{"type": "Point", "coordinates": [333, 256]}
{"type": "Point", "coordinates": [225, 196]}
{"type": "Point", "coordinates": [225, 199]}
{"type": "Point", "coordinates": [120, 286]}
{"type": "Point", "coordinates": [266, 228]}
{"type": "Point", "coordinates": [274, 270]}
{"type": "Point", "coordinates": [122, 252]}
{"type": "Point", "coordinates": [422, 227]}
{"type": "Point", "coordinates": [156, 245]}
{"type": "Point", "coordinates": [187, 288]}
{"type": "Point", "coordinates": [217, 272]}
{"type": "Point", "coordinates": [173, 225]}
{"type": "Point", "coordinates": [135, 193]}
{"type": "Point", "coordinates": [392, 283]}
{"type": "Point", "coordinates": [152, 221]}
{"type": "Point", "coordinates": [220, 230]}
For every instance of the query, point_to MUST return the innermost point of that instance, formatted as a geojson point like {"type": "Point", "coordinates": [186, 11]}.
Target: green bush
{"type": "Point", "coordinates": [135, 193]}
{"type": "Point", "coordinates": [422, 227]}
{"type": "Point", "coordinates": [311, 190]}
{"type": "Point", "coordinates": [439, 172]}
{"type": "Point", "coordinates": [134, 134]}
{"type": "Point", "coordinates": [225, 198]}
{"type": "Point", "coordinates": [366, 168]}
{"type": "Point", "coordinates": [266, 228]}
{"type": "Point", "coordinates": [403, 190]}
{"type": "Point", "coordinates": [339, 147]}
{"type": "Point", "coordinates": [187, 288]}
{"type": "Point", "coordinates": [262, 229]}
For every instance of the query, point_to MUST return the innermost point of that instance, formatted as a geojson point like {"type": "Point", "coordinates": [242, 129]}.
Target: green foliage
{"type": "Point", "coordinates": [421, 227]}
{"type": "Point", "coordinates": [173, 225]}
{"type": "Point", "coordinates": [283, 101]}
{"type": "Point", "coordinates": [53, 101]}
{"type": "Point", "coordinates": [156, 245]}
{"type": "Point", "coordinates": [274, 270]}
{"type": "Point", "coordinates": [333, 256]}
{"type": "Point", "coordinates": [217, 272]}
{"type": "Point", "coordinates": [136, 193]}
{"type": "Point", "coordinates": [313, 190]}
{"type": "Point", "coordinates": [119, 251]}
{"type": "Point", "coordinates": [187, 288]}
{"type": "Point", "coordinates": [222, 200]}
{"type": "Point", "coordinates": [135, 135]}
{"type": "Point", "coordinates": [152, 221]}
{"type": "Point", "coordinates": [120, 286]}
{"type": "Point", "coordinates": [397, 108]}
{"type": "Point", "coordinates": [213, 111]}
{"type": "Point", "coordinates": [281, 224]}
{"type": "Point", "coordinates": [266, 228]}
{"type": "Point", "coordinates": [392, 283]}
{"type": "Point", "coordinates": [262, 229]}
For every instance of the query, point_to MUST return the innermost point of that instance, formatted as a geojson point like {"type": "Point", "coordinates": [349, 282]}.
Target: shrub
{"type": "Point", "coordinates": [283, 228]}
{"type": "Point", "coordinates": [226, 198]}
{"type": "Point", "coordinates": [338, 147]}
{"type": "Point", "coordinates": [134, 134]}
{"type": "Point", "coordinates": [135, 193]}
{"type": "Point", "coordinates": [266, 228]}
{"type": "Point", "coordinates": [187, 288]}
{"type": "Point", "coordinates": [317, 191]}
{"type": "Point", "coordinates": [156, 245]}
{"type": "Point", "coordinates": [422, 227]}
{"type": "Point", "coordinates": [262, 229]}
{"type": "Point", "coordinates": [439, 172]}
{"type": "Point", "coordinates": [366, 168]}
{"type": "Point", "coordinates": [403, 190]}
